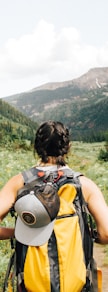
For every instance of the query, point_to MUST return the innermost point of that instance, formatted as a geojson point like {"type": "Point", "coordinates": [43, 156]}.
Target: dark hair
{"type": "Point", "coordinates": [52, 139]}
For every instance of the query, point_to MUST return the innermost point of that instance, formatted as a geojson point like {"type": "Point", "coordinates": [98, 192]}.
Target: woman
{"type": "Point", "coordinates": [52, 146]}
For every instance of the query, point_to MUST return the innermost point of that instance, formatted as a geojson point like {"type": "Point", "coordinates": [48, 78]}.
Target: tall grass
{"type": "Point", "coordinates": [83, 157]}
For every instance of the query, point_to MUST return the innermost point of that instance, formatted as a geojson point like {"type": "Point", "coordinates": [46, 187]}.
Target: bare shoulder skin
{"type": "Point", "coordinates": [8, 194]}
{"type": "Point", "coordinates": [97, 207]}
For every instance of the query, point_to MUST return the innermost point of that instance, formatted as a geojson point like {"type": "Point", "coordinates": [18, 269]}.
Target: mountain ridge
{"type": "Point", "coordinates": [81, 103]}
{"type": "Point", "coordinates": [81, 79]}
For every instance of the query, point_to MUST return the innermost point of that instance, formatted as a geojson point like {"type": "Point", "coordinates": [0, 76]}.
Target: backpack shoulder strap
{"type": "Point", "coordinates": [68, 175]}
{"type": "Point", "coordinates": [30, 174]}
{"type": "Point", "coordinates": [36, 174]}
{"type": "Point", "coordinates": [58, 177]}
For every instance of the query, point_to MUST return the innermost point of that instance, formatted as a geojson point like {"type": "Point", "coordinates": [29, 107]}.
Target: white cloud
{"type": "Point", "coordinates": [46, 55]}
{"type": "Point", "coordinates": [29, 54]}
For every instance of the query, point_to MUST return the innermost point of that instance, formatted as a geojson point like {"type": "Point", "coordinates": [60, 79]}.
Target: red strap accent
{"type": "Point", "coordinates": [60, 173]}
{"type": "Point", "coordinates": [41, 173]}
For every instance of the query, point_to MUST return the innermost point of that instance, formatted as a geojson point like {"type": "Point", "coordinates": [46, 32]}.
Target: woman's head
{"type": "Point", "coordinates": [52, 140]}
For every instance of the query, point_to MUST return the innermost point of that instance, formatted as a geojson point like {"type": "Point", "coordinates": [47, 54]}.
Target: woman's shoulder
{"type": "Point", "coordinates": [14, 184]}
{"type": "Point", "coordinates": [90, 188]}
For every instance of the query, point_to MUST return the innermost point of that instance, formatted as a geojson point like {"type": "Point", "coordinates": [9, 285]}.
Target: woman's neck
{"type": "Point", "coordinates": [51, 161]}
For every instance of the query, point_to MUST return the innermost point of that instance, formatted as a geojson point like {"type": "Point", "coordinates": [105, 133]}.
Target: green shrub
{"type": "Point", "coordinates": [103, 155]}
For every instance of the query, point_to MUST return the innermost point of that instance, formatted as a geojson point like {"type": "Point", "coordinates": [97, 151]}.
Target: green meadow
{"type": "Point", "coordinates": [83, 157]}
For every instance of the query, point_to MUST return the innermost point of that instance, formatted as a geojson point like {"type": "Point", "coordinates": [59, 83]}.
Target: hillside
{"type": "Point", "coordinates": [82, 103]}
{"type": "Point", "coordinates": [14, 125]}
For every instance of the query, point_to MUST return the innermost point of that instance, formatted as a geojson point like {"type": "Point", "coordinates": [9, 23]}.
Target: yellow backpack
{"type": "Point", "coordinates": [65, 263]}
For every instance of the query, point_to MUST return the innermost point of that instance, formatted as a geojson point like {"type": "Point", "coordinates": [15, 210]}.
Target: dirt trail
{"type": "Point", "coordinates": [99, 256]}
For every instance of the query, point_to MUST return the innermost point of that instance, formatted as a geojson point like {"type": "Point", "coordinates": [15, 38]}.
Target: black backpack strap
{"type": "Point", "coordinates": [21, 251]}
{"type": "Point", "coordinates": [11, 265]}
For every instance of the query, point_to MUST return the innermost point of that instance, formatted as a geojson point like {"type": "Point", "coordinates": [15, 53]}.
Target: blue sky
{"type": "Point", "coordinates": [50, 41]}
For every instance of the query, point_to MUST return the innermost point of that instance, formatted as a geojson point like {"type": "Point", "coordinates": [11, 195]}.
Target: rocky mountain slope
{"type": "Point", "coordinates": [81, 103]}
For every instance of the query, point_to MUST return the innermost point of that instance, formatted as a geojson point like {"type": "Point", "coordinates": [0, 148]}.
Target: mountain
{"type": "Point", "coordinates": [15, 126]}
{"type": "Point", "coordinates": [81, 103]}
{"type": "Point", "coordinates": [94, 78]}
